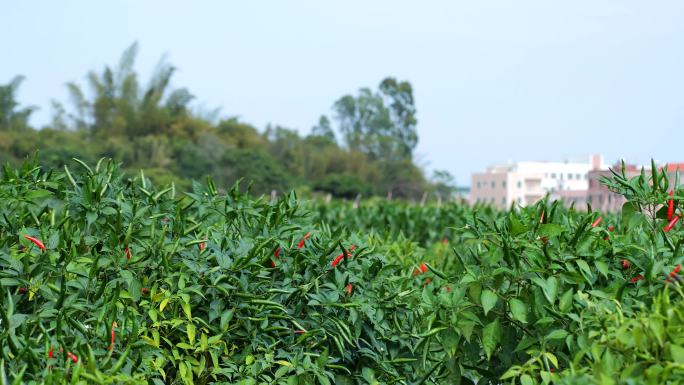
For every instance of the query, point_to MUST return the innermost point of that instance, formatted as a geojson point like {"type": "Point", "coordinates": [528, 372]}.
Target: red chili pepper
{"type": "Point", "coordinates": [445, 241]}
{"type": "Point", "coordinates": [349, 288]}
{"type": "Point", "coordinates": [51, 353]}
{"type": "Point", "coordinates": [339, 258]}
{"type": "Point", "coordinates": [144, 291]}
{"type": "Point", "coordinates": [276, 253]}
{"type": "Point", "coordinates": [72, 357]}
{"type": "Point", "coordinates": [423, 269]}
{"type": "Point", "coordinates": [625, 264]}
{"type": "Point", "coordinates": [127, 251]}
{"type": "Point", "coordinates": [637, 278]}
{"type": "Point", "coordinates": [448, 289]}
{"type": "Point", "coordinates": [552, 370]}
{"type": "Point", "coordinates": [675, 271]}
{"type": "Point", "coordinates": [597, 222]}
{"type": "Point", "coordinates": [671, 224]}
{"type": "Point", "coordinates": [114, 325]}
{"type": "Point", "coordinates": [300, 331]}
{"type": "Point", "coordinates": [22, 290]}
{"type": "Point", "coordinates": [670, 207]}
{"type": "Point", "coordinates": [36, 241]}
{"type": "Point", "coordinates": [610, 228]}
{"type": "Point", "coordinates": [301, 243]}
{"type": "Point", "coordinates": [202, 246]}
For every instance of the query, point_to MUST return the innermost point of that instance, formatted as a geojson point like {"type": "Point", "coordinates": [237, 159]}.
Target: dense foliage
{"type": "Point", "coordinates": [108, 279]}
{"type": "Point", "coordinates": [154, 127]}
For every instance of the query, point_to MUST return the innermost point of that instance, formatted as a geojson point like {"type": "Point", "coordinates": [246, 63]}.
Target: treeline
{"type": "Point", "coordinates": [366, 148]}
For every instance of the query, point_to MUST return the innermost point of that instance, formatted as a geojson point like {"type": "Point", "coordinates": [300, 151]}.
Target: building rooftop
{"type": "Point", "coordinates": [672, 167]}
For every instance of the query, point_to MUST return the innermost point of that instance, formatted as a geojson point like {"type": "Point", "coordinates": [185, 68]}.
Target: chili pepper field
{"type": "Point", "coordinates": [107, 279]}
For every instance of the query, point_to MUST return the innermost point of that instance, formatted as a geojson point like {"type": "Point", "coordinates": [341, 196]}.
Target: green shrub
{"type": "Point", "coordinates": [207, 287]}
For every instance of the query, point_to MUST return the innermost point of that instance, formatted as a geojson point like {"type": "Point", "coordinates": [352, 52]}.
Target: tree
{"type": "Point", "coordinates": [381, 124]}
{"type": "Point", "coordinates": [11, 117]}
{"type": "Point", "coordinates": [343, 185]}
{"type": "Point", "coordinates": [323, 129]}
{"type": "Point", "coordinates": [444, 183]}
{"type": "Point", "coordinates": [120, 106]}
{"type": "Point", "coordinates": [152, 126]}
{"type": "Point", "coordinates": [403, 113]}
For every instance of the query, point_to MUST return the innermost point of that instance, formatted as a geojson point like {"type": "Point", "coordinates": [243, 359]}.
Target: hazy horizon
{"type": "Point", "coordinates": [493, 80]}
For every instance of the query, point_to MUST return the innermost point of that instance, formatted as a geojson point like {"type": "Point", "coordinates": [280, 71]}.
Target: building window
{"type": "Point", "coordinates": [503, 184]}
{"type": "Point", "coordinates": [578, 176]}
{"type": "Point", "coordinates": [553, 175]}
{"type": "Point", "coordinates": [503, 200]}
{"type": "Point", "coordinates": [519, 184]}
{"type": "Point", "coordinates": [478, 184]}
{"type": "Point", "coordinates": [519, 200]}
{"type": "Point", "coordinates": [586, 176]}
{"type": "Point", "coordinates": [493, 184]}
{"type": "Point", "coordinates": [569, 176]}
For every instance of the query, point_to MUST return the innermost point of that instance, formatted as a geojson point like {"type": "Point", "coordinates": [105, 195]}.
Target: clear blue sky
{"type": "Point", "coordinates": [493, 80]}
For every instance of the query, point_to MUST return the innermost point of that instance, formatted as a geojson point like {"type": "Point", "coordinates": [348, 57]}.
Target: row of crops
{"type": "Point", "coordinates": [108, 279]}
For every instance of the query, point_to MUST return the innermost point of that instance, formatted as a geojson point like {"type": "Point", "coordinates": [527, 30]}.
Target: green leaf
{"type": "Point", "coordinates": [513, 371]}
{"type": "Point", "coordinates": [566, 301]}
{"type": "Point", "coordinates": [491, 336]}
{"type": "Point", "coordinates": [550, 230]}
{"type": "Point", "coordinates": [677, 353]}
{"type": "Point", "coordinates": [226, 317]}
{"type": "Point", "coordinates": [368, 374]}
{"type": "Point", "coordinates": [557, 334]}
{"type": "Point", "coordinates": [187, 310]}
{"type": "Point", "coordinates": [551, 289]}
{"type": "Point", "coordinates": [602, 267]}
{"type": "Point", "coordinates": [551, 357]}
{"type": "Point", "coordinates": [91, 217]}
{"type": "Point", "coordinates": [108, 211]}
{"type": "Point", "coordinates": [517, 227]}
{"type": "Point", "coordinates": [191, 330]}
{"type": "Point", "coordinates": [488, 299]}
{"type": "Point", "coordinates": [584, 266]}
{"type": "Point", "coordinates": [36, 194]}
{"type": "Point", "coordinates": [526, 379]}
{"type": "Point", "coordinates": [518, 309]}
{"type": "Point", "coordinates": [134, 288]}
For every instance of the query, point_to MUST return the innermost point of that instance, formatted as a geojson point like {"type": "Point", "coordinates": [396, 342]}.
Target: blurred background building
{"type": "Point", "coordinates": [524, 183]}
{"type": "Point", "coordinates": [577, 183]}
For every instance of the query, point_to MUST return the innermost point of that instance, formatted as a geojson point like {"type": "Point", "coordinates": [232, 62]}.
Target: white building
{"type": "Point", "coordinates": [526, 182]}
